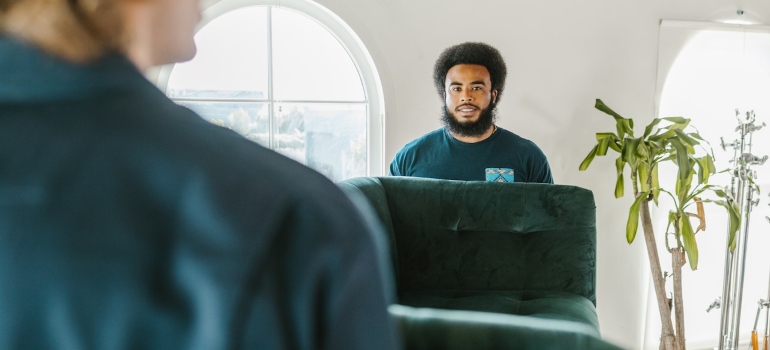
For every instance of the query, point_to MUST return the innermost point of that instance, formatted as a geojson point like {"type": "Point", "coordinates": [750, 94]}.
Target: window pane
{"type": "Point", "coordinates": [231, 61]}
{"type": "Point", "coordinates": [330, 138]}
{"type": "Point", "coordinates": [248, 119]}
{"type": "Point", "coordinates": [309, 63]}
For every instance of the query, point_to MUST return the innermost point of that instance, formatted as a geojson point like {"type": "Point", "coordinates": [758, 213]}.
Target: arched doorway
{"type": "Point", "coordinates": [707, 71]}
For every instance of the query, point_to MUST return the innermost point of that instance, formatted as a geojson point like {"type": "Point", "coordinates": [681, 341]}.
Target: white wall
{"type": "Point", "coordinates": [561, 55]}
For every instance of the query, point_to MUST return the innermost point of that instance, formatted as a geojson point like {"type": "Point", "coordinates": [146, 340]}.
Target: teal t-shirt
{"type": "Point", "coordinates": [439, 155]}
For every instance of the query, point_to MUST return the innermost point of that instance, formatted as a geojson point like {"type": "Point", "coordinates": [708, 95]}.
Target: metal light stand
{"type": "Point", "coordinates": [766, 342]}
{"type": "Point", "coordinates": [766, 304]}
{"type": "Point", "coordinates": [742, 190]}
{"type": "Point", "coordinates": [754, 336]}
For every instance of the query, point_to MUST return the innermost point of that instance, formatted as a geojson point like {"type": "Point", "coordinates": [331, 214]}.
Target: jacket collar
{"type": "Point", "coordinates": [30, 75]}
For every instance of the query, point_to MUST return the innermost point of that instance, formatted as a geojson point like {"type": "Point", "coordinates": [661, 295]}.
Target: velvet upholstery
{"type": "Point", "coordinates": [428, 328]}
{"type": "Point", "coordinates": [520, 249]}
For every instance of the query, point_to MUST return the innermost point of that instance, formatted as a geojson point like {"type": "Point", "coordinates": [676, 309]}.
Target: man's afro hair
{"type": "Point", "coordinates": [471, 53]}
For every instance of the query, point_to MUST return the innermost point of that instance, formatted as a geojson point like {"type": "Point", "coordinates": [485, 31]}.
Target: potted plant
{"type": "Point", "coordinates": [671, 140]}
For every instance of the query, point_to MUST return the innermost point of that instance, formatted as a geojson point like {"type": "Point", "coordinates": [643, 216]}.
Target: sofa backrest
{"type": "Point", "coordinates": [372, 190]}
{"type": "Point", "coordinates": [458, 235]}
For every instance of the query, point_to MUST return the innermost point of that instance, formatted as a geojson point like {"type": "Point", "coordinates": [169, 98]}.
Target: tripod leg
{"type": "Point", "coordinates": [754, 336]}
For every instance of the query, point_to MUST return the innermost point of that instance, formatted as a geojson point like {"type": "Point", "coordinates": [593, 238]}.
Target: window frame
{"type": "Point", "coordinates": [371, 84]}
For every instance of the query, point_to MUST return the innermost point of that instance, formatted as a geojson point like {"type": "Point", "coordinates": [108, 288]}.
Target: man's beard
{"type": "Point", "coordinates": [486, 119]}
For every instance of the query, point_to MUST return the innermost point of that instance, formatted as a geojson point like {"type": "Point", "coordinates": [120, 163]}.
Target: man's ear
{"type": "Point", "coordinates": [494, 96]}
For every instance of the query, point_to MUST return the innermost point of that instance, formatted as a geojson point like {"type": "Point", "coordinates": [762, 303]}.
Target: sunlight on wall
{"type": "Point", "coordinates": [717, 72]}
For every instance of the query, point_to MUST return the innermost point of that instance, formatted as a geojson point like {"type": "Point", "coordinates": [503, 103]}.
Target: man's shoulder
{"type": "Point", "coordinates": [428, 140]}
{"type": "Point", "coordinates": [509, 136]}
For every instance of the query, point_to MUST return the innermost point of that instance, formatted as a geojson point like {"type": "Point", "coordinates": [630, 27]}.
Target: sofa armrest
{"type": "Point", "coordinates": [427, 328]}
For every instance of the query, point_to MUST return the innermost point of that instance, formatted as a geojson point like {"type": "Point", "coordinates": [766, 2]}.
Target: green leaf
{"type": "Point", "coordinates": [619, 165]}
{"type": "Point", "coordinates": [619, 187]}
{"type": "Point", "coordinates": [698, 192]}
{"type": "Point", "coordinates": [603, 107]}
{"type": "Point", "coordinates": [688, 236]}
{"type": "Point", "coordinates": [677, 123]}
{"type": "Point", "coordinates": [712, 168]}
{"type": "Point", "coordinates": [686, 138]}
{"type": "Point", "coordinates": [633, 217]}
{"type": "Point", "coordinates": [733, 213]}
{"type": "Point", "coordinates": [702, 171]}
{"type": "Point", "coordinates": [705, 169]}
{"type": "Point", "coordinates": [697, 137]}
{"type": "Point", "coordinates": [683, 185]}
{"type": "Point", "coordinates": [589, 158]}
{"type": "Point", "coordinates": [735, 222]}
{"type": "Point", "coordinates": [604, 135]}
{"type": "Point", "coordinates": [659, 137]}
{"type": "Point", "coordinates": [720, 193]}
{"type": "Point", "coordinates": [642, 151]}
{"type": "Point", "coordinates": [653, 148]}
{"type": "Point", "coordinates": [682, 159]}
{"type": "Point", "coordinates": [753, 184]}
{"type": "Point", "coordinates": [655, 183]}
{"type": "Point", "coordinates": [615, 145]}
{"type": "Point", "coordinates": [649, 127]}
{"type": "Point", "coordinates": [603, 145]}
{"type": "Point", "coordinates": [671, 157]}
{"type": "Point", "coordinates": [606, 139]}
{"type": "Point", "coordinates": [629, 151]}
{"type": "Point", "coordinates": [624, 125]}
{"type": "Point", "coordinates": [673, 199]}
{"type": "Point", "coordinates": [677, 120]}
{"type": "Point", "coordinates": [658, 145]}
{"type": "Point", "coordinates": [644, 174]}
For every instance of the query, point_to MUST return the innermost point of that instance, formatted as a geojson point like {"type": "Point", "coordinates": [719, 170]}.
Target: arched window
{"type": "Point", "coordinates": [291, 77]}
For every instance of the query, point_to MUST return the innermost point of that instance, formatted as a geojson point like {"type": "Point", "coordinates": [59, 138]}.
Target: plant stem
{"type": "Point", "coordinates": [667, 335]}
{"type": "Point", "coordinates": [677, 261]}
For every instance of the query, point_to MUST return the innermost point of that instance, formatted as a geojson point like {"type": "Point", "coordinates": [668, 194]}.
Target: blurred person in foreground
{"type": "Point", "coordinates": [128, 222]}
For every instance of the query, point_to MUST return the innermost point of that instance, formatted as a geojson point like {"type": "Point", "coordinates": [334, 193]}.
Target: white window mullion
{"type": "Point", "coordinates": [271, 103]}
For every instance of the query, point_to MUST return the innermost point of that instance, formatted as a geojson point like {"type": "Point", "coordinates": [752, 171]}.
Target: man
{"type": "Point", "coordinates": [470, 77]}
{"type": "Point", "coordinates": [128, 222]}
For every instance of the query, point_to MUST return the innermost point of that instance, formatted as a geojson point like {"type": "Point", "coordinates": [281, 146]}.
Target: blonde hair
{"type": "Point", "coordinates": [76, 30]}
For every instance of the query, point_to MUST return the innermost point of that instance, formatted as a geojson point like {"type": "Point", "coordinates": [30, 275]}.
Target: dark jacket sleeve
{"type": "Point", "coordinates": [329, 263]}
{"type": "Point", "coordinates": [364, 287]}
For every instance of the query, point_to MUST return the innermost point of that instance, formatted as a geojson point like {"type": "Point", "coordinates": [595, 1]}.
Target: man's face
{"type": "Point", "coordinates": [469, 99]}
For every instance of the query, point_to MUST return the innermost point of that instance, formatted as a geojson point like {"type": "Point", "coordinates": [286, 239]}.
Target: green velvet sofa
{"type": "Point", "coordinates": [487, 265]}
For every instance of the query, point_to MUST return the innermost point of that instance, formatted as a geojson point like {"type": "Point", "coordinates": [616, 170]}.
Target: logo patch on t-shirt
{"type": "Point", "coordinates": [499, 174]}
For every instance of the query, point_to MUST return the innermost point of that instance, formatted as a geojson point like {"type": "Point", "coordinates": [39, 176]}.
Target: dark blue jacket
{"type": "Point", "coordinates": [128, 222]}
